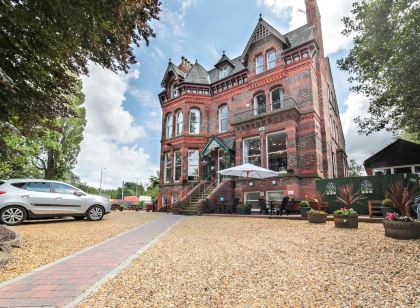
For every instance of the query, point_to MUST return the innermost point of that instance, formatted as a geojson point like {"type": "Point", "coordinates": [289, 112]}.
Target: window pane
{"type": "Point", "coordinates": [169, 126]}
{"type": "Point", "coordinates": [194, 121]}
{"type": "Point", "coordinates": [177, 165]}
{"type": "Point", "coordinates": [276, 99]}
{"type": "Point", "coordinates": [38, 186]}
{"type": "Point", "coordinates": [223, 118]}
{"type": "Point", "coordinates": [259, 65]}
{"type": "Point", "coordinates": [167, 174]}
{"type": "Point", "coordinates": [252, 151]}
{"type": "Point", "coordinates": [271, 59]}
{"type": "Point", "coordinates": [63, 188]}
{"type": "Point", "coordinates": [417, 169]}
{"type": "Point", "coordinates": [259, 104]}
{"type": "Point", "coordinates": [193, 158]}
{"type": "Point", "coordinates": [276, 142]}
{"type": "Point", "coordinates": [179, 123]}
{"type": "Point", "coordinates": [275, 195]}
{"type": "Point", "coordinates": [277, 152]}
{"type": "Point", "coordinates": [277, 161]}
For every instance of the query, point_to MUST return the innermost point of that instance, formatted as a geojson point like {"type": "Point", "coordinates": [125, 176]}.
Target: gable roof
{"type": "Point", "coordinates": [197, 74]}
{"type": "Point", "coordinates": [237, 67]}
{"type": "Point", "coordinates": [224, 59]}
{"type": "Point", "coordinates": [262, 30]}
{"type": "Point", "coordinates": [175, 70]}
{"type": "Point", "coordinates": [399, 153]}
{"type": "Point", "coordinates": [226, 144]}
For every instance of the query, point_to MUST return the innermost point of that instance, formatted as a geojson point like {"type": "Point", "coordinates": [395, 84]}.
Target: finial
{"type": "Point", "coordinates": [260, 16]}
{"type": "Point", "coordinates": [196, 60]}
{"type": "Point", "coordinates": [223, 52]}
{"type": "Point", "coordinates": [170, 61]}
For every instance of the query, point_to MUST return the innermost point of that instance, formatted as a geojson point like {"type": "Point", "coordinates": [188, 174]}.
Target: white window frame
{"type": "Point", "coordinates": [259, 68]}
{"type": "Point", "coordinates": [256, 109]}
{"type": "Point", "coordinates": [223, 72]}
{"type": "Point", "coordinates": [169, 126]}
{"type": "Point", "coordinates": [266, 148]}
{"type": "Point", "coordinates": [272, 62]}
{"type": "Point", "coordinates": [251, 192]}
{"type": "Point", "coordinates": [281, 97]}
{"type": "Point", "coordinates": [267, 194]}
{"type": "Point", "coordinates": [167, 159]}
{"type": "Point", "coordinates": [174, 90]}
{"type": "Point", "coordinates": [198, 121]}
{"type": "Point", "coordinates": [245, 158]}
{"type": "Point", "coordinates": [175, 165]}
{"type": "Point", "coordinates": [393, 167]}
{"type": "Point", "coordinates": [179, 126]}
{"type": "Point", "coordinates": [198, 164]}
{"type": "Point", "coordinates": [225, 118]}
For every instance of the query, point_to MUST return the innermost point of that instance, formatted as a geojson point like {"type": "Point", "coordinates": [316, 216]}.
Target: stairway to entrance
{"type": "Point", "coordinates": [191, 207]}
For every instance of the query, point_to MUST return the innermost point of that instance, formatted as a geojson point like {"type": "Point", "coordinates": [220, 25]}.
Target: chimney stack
{"type": "Point", "coordinates": [185, 65]}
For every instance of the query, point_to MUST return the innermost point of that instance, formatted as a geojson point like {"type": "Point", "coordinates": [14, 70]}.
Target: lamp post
{"type": "Point", "coordinates": [137, 184]}
{"type": "Point", "coordinates": [100, 185]}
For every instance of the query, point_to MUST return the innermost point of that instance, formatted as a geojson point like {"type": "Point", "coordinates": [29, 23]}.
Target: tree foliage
{"type": "Point", "coordinates": [355, 169]}
{"type": "Point", "coordinates": [384, 63]}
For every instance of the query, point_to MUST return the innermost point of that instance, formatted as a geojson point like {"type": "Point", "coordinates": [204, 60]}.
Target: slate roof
{"type": "Point", "coordinates": [230, 143]}
{"type": "Point", "coordinates": [300, 35]}
{"type": "Point", "coordinates": [197, 74]}
{"type": "Point", "coordinates": [237, 67]}
{"type": "Point", "coordinates": [223, 59]}
{"type": "Point", "coordinates": [398, 153]}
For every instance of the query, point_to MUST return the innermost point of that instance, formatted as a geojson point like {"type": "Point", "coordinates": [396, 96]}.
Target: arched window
{"type": "Point", "coordinates": [223, 118]}
{"type": "Point", "coordinates": [174, 90]}
{"type": "Point", "coordinates": [277, 98]}
{"type": "Point", "coordinates": [179, 123]}
{"type": "Point", "coordinates": [169, 123]}
{"type": "Point", "coordinates": [259, 103]}
{"type": "Point", "coordinates": [194, 121]}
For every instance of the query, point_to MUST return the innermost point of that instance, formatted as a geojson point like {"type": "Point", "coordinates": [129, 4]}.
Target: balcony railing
{"type": "Point", "coordinates": [261, 111]}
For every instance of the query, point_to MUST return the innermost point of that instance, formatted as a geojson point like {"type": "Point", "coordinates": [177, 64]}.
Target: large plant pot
{"type": "Point", "coordinates": [402, 230]}
{"type": "Point", "coordinates": [346, 221]}
{"type": "Point", "coordinates": [385, 210]}
{"type": "Point", "coordinates": [317, 218]}
{"type": "Point", "coordinates": [304, 211]}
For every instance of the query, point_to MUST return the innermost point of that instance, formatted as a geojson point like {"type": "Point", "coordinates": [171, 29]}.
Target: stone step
{"type": "Point", "coordinates": [188, 212]}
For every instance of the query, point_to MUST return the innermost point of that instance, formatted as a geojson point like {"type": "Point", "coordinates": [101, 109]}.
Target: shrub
{"type": "Point", "coordinates": [316, 212]}
{"type": "Point", "coordinates": [387, 203]}
{"type": "Point", "coordinates": [345, 211]}
{"type": "Point", "coordinates": [304, 203]}
{"type": "Point", "coordinates": [346, 196]}
{"type": "Point", "coordinates": [402, 197]}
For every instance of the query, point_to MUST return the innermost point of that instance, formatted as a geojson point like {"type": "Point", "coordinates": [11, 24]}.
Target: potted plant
{"type": "Point", "coordinates": [121, 208]}
{"type": "Point", "coordinates": [401, 227]}
{"type": "Point", "coordinates": [387, 207]}
{"type": "Point", "coordinates": [346, 217]}
{"type": "Point", "coordinates": [304, 207]}
{"type": "Point", "coordinates": [244, 209]}
{"type": "Point", "coordinates": [317, 216]}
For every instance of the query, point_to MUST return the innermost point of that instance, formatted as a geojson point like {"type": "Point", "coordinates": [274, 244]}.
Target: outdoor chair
{"type": "Point", "coordinates": [283, 205]}
{"type": "Point", "coordinates": [263, 206]}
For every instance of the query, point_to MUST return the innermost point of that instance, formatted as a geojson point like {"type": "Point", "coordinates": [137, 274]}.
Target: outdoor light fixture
{"type": "Point", "coordinates": [274, 182]}
{"type": "Point", "coordinates": [251, 184]}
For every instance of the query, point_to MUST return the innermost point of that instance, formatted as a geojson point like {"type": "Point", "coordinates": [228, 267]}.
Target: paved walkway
{"type": "Point", "coordinates": [68, 280]}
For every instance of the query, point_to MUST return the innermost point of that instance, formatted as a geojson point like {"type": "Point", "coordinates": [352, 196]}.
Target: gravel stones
{"type": "Point", "coordinates": [237, 262]}
{"type": "Point", "coordinates": [46, 241]}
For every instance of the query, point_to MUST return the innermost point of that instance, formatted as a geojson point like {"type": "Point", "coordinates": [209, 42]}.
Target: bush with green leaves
{"type": "Point", "coordinates": [387, 203]}
{"type": "Point", "coordinates": [304, 203]}
{"type": "Point", "coordinates": [345, 211]}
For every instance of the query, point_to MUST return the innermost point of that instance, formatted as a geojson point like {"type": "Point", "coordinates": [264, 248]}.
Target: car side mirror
{"type": "Point", "coordinates": [79, 193]}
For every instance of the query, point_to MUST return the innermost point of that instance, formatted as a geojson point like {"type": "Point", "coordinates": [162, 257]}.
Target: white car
{"type": "Point", "coordinates": [36, 199]}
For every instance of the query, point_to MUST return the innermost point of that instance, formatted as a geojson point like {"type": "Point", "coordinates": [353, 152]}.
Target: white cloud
{"type": "Point", "coordinates": [360, 147]}
{"type": "Point", "coordinates": [331, 15]}
{"type": "Point", "coordinates": [110, 132]}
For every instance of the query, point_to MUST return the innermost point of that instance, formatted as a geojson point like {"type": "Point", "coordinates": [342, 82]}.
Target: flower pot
{"type": "Point", "coordinates": [317, 218]}
{"type": "Point", "coordinates": [346, 221]}
{"type": "Point", "coordinates": [386, 209]}
{"type": "Point", "coordinates": [304, 211]}
{"type": "Point", "coordinates": [402, 230]}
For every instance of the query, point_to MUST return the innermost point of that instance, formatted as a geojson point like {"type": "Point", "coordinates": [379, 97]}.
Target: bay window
{"type": "Point", "coordinates": [169, 121]}
{"type": "Point", "coordinates": [277, 98]}
{"type": "Point", "coordinates": [167, 172]}
{"type": "Point", "coordinates": [259, 104]}
{"type": "Point", "coordinates": [179, 123]}
{"type": "Point", "coordinates": [177, 166]}
{"type": "Point", "coordinates": [194, 121]}
{"type": "Point", "coordinates": [277, 152]}
{"type": "Point", "coordinates": [193, 159]}
{"type": "Point", "coordinates": [271, 59]}
{"type": "Point", "coordinates": [259, 65]}
{"type": "Point", "coordinates": [252, 151]}
{"type": "Point", "coordinates": [223, 118]}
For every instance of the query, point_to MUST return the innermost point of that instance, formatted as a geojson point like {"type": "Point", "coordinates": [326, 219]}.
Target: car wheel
{"type": "Point", "coordinates": [79, 217]}
{"type": "Point", "coordinates": [12, 215]}
{"type": "Point", "coordinates": [96, 212]}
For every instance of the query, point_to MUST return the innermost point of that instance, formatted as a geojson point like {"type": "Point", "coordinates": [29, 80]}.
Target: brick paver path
{"type": "Point", "coordinates": [62, 282]}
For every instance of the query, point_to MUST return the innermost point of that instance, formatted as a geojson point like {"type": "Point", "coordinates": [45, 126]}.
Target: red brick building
{"type": "Point", "coordinates": [273, 106]}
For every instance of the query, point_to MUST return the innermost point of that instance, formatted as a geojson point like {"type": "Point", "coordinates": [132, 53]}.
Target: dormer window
{"type": "Point", "coordinates": [174, 90]}
{"type": "Point", "coordinates": [223, 72]}
{"type": "Point", "coordinates": [259, 65]}
{"type": "Point", "coordinates": [271, 59]}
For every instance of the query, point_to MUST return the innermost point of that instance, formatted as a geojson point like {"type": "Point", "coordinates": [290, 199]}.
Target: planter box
{"type": "Point", "coordinates": [317, 218]}
{"type": "Point", "coordinates": [304, 211]}
{"type": "Point", "coordinates": [346, 221]}
{"type": "Point", "coordinates": [402, 230]}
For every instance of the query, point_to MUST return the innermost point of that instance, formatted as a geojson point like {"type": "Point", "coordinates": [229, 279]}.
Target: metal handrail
{"type": "Point", "coordinates": [285, 104]}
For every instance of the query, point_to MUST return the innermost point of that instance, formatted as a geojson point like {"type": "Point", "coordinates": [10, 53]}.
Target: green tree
{"type": "Point", "coordinates": [355, 169]}
{"type": "Point", "coordinates": [153, 186]}
{"type": "Point", "coordinates": [384, 62]}
{"type": "Point", "coordinates": [60, 145]}
{"type": "Point", "coordinates": [46, 45]}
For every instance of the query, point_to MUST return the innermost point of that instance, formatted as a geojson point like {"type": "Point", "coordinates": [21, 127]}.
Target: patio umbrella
{"type": "Point", "coordinates": [250, 171]}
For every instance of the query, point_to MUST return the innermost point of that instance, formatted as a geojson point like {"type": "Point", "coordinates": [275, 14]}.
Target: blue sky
{"type": "Point", "coordinates": [123, 111]}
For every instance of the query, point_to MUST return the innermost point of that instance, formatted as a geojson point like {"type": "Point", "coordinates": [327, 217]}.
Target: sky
{"type": "Point", "coordinates": [123, 127]}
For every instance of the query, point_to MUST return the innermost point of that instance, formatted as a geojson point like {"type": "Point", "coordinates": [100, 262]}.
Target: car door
{"type": "Point", "coordinates": [39, 197]}
{"type": "Point", "coordinates": [68, 199]}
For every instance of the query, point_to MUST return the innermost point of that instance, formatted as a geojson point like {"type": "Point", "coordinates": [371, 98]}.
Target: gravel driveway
{"type": "Point", "coordinates": [49, 240]}
{"type": "Point", "coordinates": [236, 262]}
